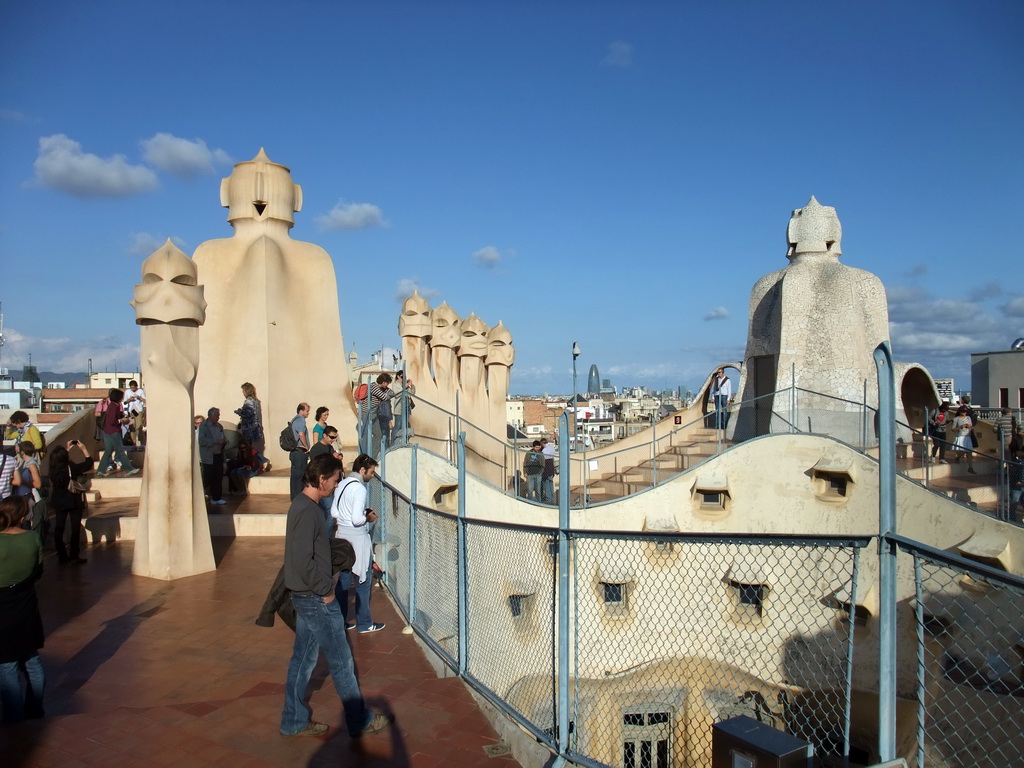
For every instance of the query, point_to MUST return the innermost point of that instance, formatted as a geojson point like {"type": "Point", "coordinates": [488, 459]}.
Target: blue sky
{"type": "Point", "coordinates": [617, 173]}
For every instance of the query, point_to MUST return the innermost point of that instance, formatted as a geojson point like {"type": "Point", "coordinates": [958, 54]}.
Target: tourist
{"type": "Point", "coordinates": [211, 456]}
{"type": "Point", "coordinates": [21, 627]}
{"type": "Point", "coordinates": [135, 405]}
{"type": "Point", "coordinates": [8, 466]}
{"type": "Point", "coordinates": [547, 477]}
{"type": "Point", "coordinates": [380, 412]}
{"type": "Point", "coordinates": [113, 445]}
{"type": "Point", "coordinates": [28, 480]}
{"type": "Point", "coordinates": [962, 431]}
{"type": "Point", "coordinates": [250, 419]}
{"type": "Point", "coordinates": [246, 465]}
{"type": "Point", "coordinates": [353, 518]}
{"type": "Point", "coordinates": [326, 445]}
{"type": "Point", "coordinates": [533, 466]}
{"type": "Point", "coordinates": [19, 429]}
{"type": "Point", "coordinates": [319, 624]}
{"type": "Point", "coordinates": [1005, 427]}
{"type": "Point", "coordinates": [321, 421]}
{"type": "Point", "coordinates": [938, 424]}
{"type": "Point", "coordinates": [402, 405]}
{"type": "Point", "coordinates": [199, 419]}
{"type": "Point", "coordinates": [299, 457]}
{"type": "Point", "coordinates": [721, 391]}
{"type": "Point", "coordinates": [67, 464]}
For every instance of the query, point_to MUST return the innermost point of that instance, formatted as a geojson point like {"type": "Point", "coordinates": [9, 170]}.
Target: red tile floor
{"type": "Point", "coordinates": [146, 672]}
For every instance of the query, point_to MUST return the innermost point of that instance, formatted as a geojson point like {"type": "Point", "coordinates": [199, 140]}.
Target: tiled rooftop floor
{"type": "Point", "coordinates": [145, 672]}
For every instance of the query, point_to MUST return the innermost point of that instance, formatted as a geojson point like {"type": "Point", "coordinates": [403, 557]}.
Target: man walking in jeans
{"type": "Point", "coordinates": [319, 625]}
{"type": "Point", "coordinates": [298, 457]}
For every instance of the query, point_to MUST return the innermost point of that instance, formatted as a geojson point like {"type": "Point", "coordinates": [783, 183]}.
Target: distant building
{"type": "Point", "coordinates": [997, 379]}
{"type": "Point", "coordinates": [593, 381]}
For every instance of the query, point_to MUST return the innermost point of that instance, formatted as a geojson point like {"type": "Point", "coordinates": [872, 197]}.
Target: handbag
{"type": "Point", "coordinates": [81, 485]}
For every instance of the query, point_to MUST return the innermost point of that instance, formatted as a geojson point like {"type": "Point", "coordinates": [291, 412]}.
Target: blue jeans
{"type": "Point", "coordinates": [533, 483]}
{"type": "Point", "coordinates": [345, 579]}
{"type": "Point", "coordinates": [721, 411]}
{"type": "Point", "coordinates": [17, 705]}
{"type": "Point", "coordinates": [547, 489]}
{"type": "Point", "coordinates": [320, 627]}
{"type": "Point", "coordinates": [113, 444]}
{"type": "Point", "coordinates": [299, 460]}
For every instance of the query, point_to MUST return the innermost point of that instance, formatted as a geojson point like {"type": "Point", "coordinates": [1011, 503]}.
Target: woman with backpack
{"type": "Point", "coordinates": [113, 444]}
{"type": "Point", "coordinates": [67, 499]}
{"type": "Point", "coordinates": [27, 478]}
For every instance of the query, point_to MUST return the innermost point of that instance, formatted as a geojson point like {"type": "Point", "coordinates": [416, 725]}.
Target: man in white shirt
{"type": "Point", "coordinates": [721, 391]}
{"type": "Point", "coordinates": [353, 519]}
{"type": "Point", "coordinates": [547, 476]}
{"type": "Point", "coordinates": [135, 405]}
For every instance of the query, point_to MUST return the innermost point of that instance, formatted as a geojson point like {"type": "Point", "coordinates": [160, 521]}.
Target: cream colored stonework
{"type": "Point", "coordinates": [459, 365]}
{"type": "Point", "coordinates": [273, 316]}
{"type": "Point", "coordinates": [173, 534]}
{"type": "Point", "coordinates": [819, 321]}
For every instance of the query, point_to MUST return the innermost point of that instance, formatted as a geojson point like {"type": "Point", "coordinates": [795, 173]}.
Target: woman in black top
{"type": "Point", "coordinates": [67, 503]}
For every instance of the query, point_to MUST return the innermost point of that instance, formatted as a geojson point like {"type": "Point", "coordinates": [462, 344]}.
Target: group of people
{"type": "Point", "coordinates": [384, 413]}
{"type": "Point", "coordinates": [954, 432]}
{"type": "Point", "coordinates": [539, 470]}
{"type": "Point", "coordinates": [248, 461]}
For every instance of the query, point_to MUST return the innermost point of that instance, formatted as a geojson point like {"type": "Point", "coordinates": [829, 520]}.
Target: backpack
{"type": "Point", "coordinates": [362, 392]}
{"type": "Point", "coordinates": [100, 411]}
{"type": "Point", "coordinates": [287, 439]}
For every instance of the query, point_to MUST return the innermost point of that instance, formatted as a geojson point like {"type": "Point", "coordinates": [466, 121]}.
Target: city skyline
{"type": "Point", "coordinates": [614, 174]}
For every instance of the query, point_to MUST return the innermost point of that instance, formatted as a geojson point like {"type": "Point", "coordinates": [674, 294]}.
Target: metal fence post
{"type": "Point", "coordinates": [463, 617]}
{"type": "Point", "coordinates": [886, 553]}
{"type": "Point", "coordinates": [654, 448]}
{"type": "Point", "coordinates": [562, 668]}
{"type": "Point", "coordinates": [412, 536]}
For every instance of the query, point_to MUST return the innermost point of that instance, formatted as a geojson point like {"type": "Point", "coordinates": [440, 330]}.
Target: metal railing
{"type": "Point", "coordinates": [636, 643]}
{"type": "Point", "coordinates": [608, 475]}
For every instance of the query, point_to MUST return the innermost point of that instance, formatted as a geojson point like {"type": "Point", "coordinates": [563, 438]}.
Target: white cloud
{"type": "Point", "coordinates": [620, 54]}
{"type": "Point", "coordinates": [182, 157]}
{"type": "Point", "coordinates": [352, 216]}
{"type": "Point", "coordinates": [1014, 307]}
{"type": "Point", "coordinates": [487, 257]}
{"type": "Point", "coordinates": [65, 354]}
{"type": "Point", "coordinates": [407, 285]}
{"type": "Point", "coordinates": [144, 243]}
{"type": "Point", "coordinates": [718, 313]}
{"type": "Point", "coordinates": [942, 333]}
{"type": "Point", "coordinates": [12, 116]}
{"type": "Point", "coordinates": [63, 165]}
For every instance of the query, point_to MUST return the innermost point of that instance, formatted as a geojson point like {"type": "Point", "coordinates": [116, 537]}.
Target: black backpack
{"type": "Point", "coordinates": [287, 439]}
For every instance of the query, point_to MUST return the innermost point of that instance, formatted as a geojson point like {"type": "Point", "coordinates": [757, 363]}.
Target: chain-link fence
{"type": "Point", "coordinates": [969, 619]}
{"type": "Point", "coordinates": [675, 633]}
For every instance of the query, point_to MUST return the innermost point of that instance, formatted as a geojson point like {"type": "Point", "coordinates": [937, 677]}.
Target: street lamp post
{"type": "Point", "coordinates": [575, 414]}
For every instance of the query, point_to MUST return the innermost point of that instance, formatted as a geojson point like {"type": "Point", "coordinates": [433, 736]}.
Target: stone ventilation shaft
{"type": "Point", "coordinates": [448, 357]}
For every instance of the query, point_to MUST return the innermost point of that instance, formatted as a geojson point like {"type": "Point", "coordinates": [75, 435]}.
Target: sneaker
{"type": "Point", "coordinates": [350, 627]}
{"type": "Point", "coordinates": [102, 474]}
{"type": "Point", "coordinates": [372, 628]}
{"type": "Point", "coordinates": [313, 729]}
{"type": "Point", "coordinates": [219, 502]}
{"type": "Point", "coordinates": [134, 471]}
{"type": "Point", "coordinates": [377, 724]}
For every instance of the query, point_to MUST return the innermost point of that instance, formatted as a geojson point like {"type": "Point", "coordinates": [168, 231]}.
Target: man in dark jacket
{"type": "Point", "coordinates": [319, 625]}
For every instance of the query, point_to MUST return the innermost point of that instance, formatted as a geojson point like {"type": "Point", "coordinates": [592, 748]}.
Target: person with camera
{"type": "Point", "coordinates": [68, 467]}
{"type": "Point", "coordinates": [353, 520]}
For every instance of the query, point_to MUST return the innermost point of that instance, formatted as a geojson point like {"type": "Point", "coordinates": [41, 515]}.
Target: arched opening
{"type": "Point", "coordinates": [917, 392]}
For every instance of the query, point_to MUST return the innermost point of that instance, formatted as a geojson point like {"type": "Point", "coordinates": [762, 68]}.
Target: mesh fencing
{"type": "Point", "coordinates": [397, 511]}
{"type": "Point", "coordinates": [510, 577]}
{"type": "Point", "coordinates": [668, 630]}
{"type": "Point", "coordinates": [970, 679]}
{"type": "Point", "coordinates": [437, 589]}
